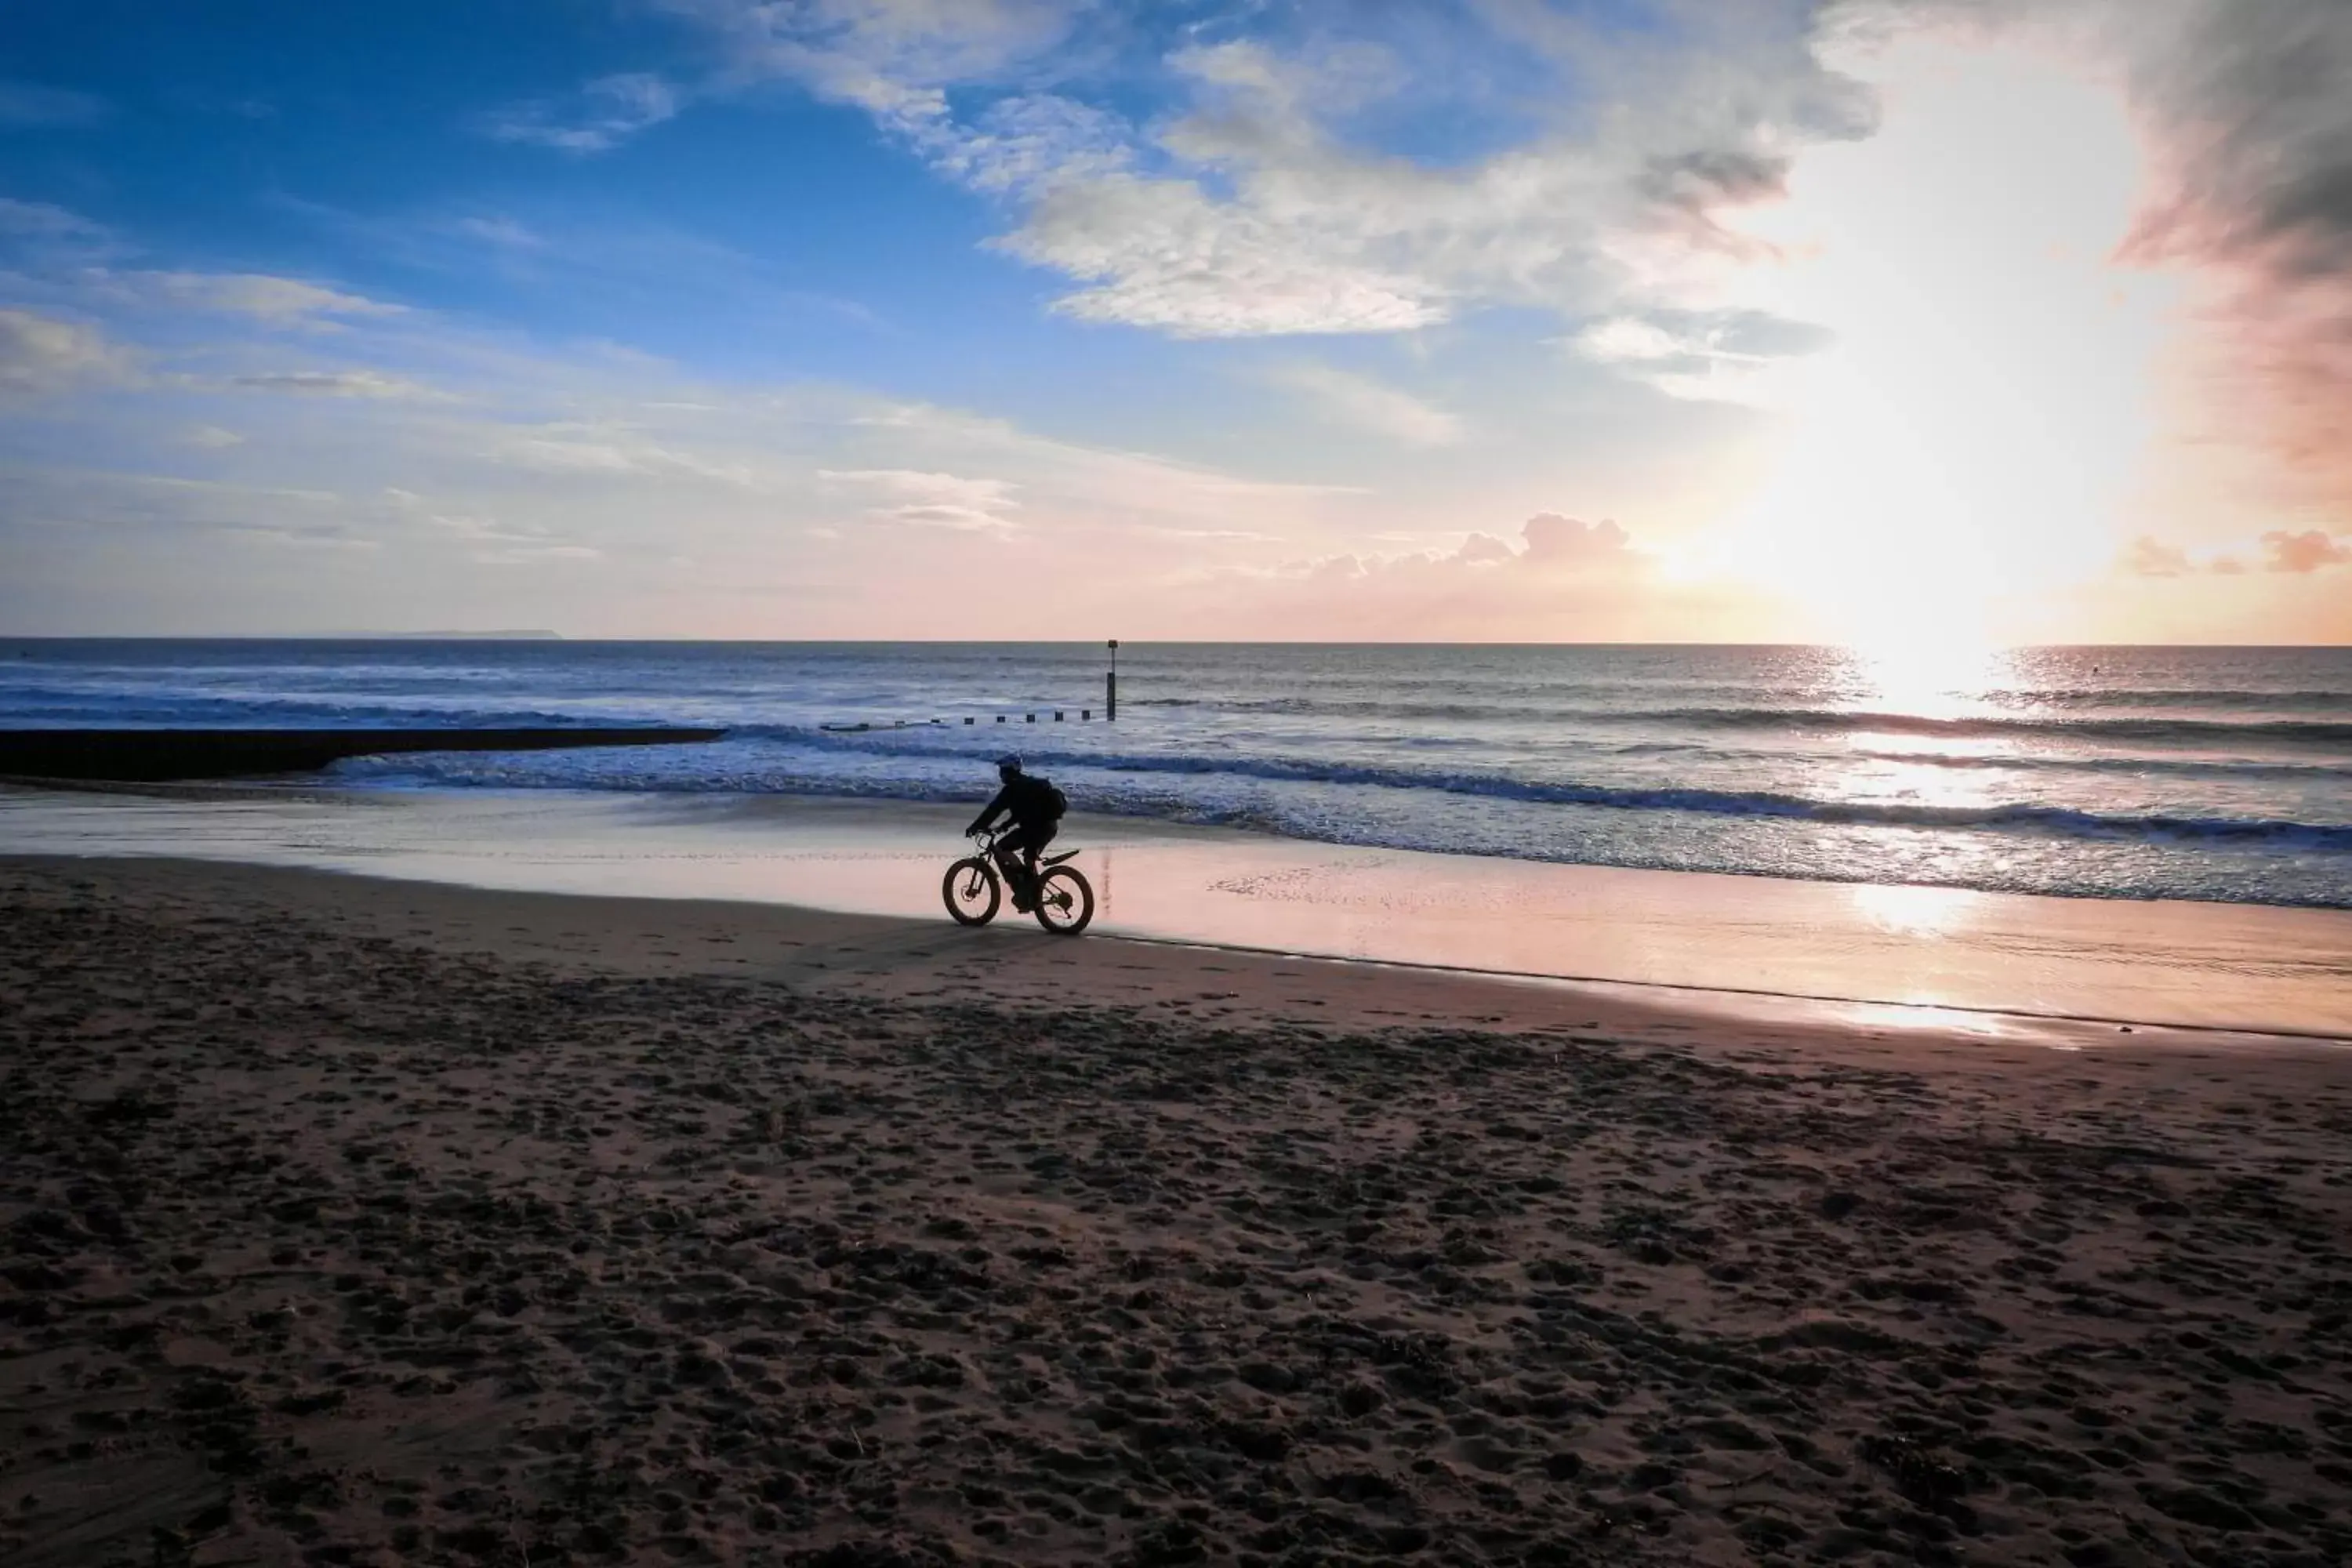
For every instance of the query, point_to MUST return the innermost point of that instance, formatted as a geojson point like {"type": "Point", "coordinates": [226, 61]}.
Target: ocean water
{"type": "Point", "coordinates": [2208, 774]}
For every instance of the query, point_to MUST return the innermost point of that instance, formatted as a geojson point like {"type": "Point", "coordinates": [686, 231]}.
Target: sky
{"type": "Point", "coordinates": [1910, 322]}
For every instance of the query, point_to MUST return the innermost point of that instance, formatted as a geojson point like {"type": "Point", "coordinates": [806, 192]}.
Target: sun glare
{"type": "Point", "coordinates": [1972, 439]}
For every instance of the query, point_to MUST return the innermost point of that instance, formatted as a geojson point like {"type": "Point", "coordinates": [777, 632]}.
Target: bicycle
{"type": "Point", "coordinates": [974, 888]}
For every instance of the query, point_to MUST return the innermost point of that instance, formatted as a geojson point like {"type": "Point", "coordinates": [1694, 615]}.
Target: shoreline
{"type": "Point", "coordinates": [2122, 964]}
{"type": "Point", "coordinates": [361, 1220]}
{"type": "Point", "coordinates": [895, 956]}
{"type": "Point", "coordinates": [323, 790]}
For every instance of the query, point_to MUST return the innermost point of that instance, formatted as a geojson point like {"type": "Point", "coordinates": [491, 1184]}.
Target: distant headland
{"type": "Point", "coordinates": [536, 634]}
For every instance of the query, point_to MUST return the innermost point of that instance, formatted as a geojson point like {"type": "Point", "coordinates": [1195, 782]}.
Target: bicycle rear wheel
{"type": "Point", "coordinates": [970, 891]}
{"type": "Point", "coordinates": [1065, 901]}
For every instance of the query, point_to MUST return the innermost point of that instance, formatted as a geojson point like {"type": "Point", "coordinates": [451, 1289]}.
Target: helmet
{"type": "Point", "coordinates": [1009, 763]}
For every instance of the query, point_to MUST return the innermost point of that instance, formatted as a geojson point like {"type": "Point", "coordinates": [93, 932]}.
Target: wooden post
{"type": "Point", "coordinates": [1111, 684]}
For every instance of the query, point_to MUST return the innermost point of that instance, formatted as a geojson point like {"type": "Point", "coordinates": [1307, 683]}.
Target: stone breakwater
{"type": "Point", "coordinates": [162, 756]}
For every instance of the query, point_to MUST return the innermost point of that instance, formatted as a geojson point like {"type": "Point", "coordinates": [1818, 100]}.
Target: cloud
{"type": "Point", "coordinates": [505, 233]}
{"type": "Point", "coordinates": [1483, 547]}
{"type": "Point", "coordinates": [30, 105]}
{"type": "Point", "coordinates": [494, 543]}
{"type": "Point", "coordinates": [1553, 545]}
{"type": "Point", "coordinates": [40, 355]}
{"type": "Point", "coordinates": [2305, 551]}
{"type": "Point", "coordinates": [2249, 107]}
{"type": "Point", "coordinates": [282, 301]}
{"type": "Point", "coordinates": [2248, 119]}
{"type": "Point", "coordinates": [1727, 355]}
{"type": "Point", "coordinates": [80, 499]}
{"type": "Point", "coordinates": [2257, 128]}
{"type": "Point", "coordinates": [365, 383]}
{"type": "Point", "coordinates": [1248, 213]}
{"type": "Point", "coordinates": [1569, 581]}
{"type": "Point", "coordinates": [2148, 558]}
{"type": "Point", "coordinates": [40, 220]}
{"type": "Point", "coordinates": [712, 508]}
{"type": "Point", "coordinates": [611, 450]}
{"type": "Point", "coordinates": [1371, 405]}
{"type": "Point", "coordinates": [43, 236]}
{"type": "Point", "coordinates": [2293, 554]}
{"type": "Point", "coordinates": [891, 58]}
{"type": "Point", "coordinates": [1164, 254]}
{"type": "Point", "coordinates": [925, 499]}
{"type": "Point", "coordinates": [1557, 541]}
{"type": "Point", "coordinates": [601, 115]}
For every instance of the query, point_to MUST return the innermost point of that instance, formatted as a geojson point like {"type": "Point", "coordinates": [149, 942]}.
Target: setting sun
{"type": "Point", "coordinates": [1973, 438]}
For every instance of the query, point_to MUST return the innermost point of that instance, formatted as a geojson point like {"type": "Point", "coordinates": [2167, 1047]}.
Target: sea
{"type": "Point", "coordinates": [2219, 774]}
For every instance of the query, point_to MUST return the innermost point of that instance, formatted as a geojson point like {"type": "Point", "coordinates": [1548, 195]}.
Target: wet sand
{"type": "Point", "coordinates": [2220, 965]}
{"type": "Point", "coordinates": [363, 1221]}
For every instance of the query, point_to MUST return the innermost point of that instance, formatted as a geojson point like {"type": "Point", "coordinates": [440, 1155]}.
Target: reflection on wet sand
{"type": "Point", "coordinates": [2232, 967]}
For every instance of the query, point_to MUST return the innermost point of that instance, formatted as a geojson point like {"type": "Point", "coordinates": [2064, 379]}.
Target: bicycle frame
{"type": "Point", "coordinates": [996, 858]}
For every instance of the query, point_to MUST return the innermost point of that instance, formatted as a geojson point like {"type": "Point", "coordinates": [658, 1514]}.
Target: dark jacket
{"type": "Point", "coordinates": [1027, 798]}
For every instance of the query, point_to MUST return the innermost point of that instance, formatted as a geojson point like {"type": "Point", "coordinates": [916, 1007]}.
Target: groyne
{"type": "Point", "coordinates": [161, 755]}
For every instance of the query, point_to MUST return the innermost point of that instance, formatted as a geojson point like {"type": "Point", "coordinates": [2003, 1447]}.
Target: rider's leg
{"type": "Point", "coordinates": [1017, 857]}
{"type": "Point", "coordinates": [1033, 844]}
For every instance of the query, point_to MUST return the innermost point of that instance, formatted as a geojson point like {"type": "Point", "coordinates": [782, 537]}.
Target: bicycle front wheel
{"type": "Point", "coordinates": [972, 892]}
{"type": "Point", "coordinates": [1065, 901]}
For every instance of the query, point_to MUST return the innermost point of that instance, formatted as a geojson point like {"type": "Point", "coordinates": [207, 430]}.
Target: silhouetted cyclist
{"type": "Point", "coordinates": [1035, 807]}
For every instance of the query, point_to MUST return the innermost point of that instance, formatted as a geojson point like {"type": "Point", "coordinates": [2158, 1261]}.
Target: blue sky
{"type": "Point", "coordinates": [667, 317]}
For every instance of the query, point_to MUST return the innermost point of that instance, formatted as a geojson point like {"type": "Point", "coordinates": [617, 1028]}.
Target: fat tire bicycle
{"type": "Point", "coordinates": [973, 890]}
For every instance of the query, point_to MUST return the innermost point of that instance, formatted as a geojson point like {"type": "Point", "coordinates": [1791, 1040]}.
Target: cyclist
{"type": "Point", "coordinates": [1035, 807]}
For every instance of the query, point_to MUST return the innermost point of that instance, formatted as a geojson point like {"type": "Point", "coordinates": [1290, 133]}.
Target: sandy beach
{"type": "Point", "coordinates": [359, 1221]}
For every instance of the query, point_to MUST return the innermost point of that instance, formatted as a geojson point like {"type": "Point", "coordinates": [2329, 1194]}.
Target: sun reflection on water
{"type": "Point", "coordinates": [1909, 748]}
{"type": "Point", "coordinates": [1927, 677]}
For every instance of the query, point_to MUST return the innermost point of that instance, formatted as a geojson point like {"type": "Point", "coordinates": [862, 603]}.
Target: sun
{"type": "Point", "coordinates": [1974, 438]}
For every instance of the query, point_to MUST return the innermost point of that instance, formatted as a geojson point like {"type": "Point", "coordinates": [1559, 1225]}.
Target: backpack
{"type": "Point", "coordinates": [1038, 800]}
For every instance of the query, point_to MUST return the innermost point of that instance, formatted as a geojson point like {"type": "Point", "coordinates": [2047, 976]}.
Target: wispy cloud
{"type": "Point", "coordinates": [601, 115]}
{"type": "Point", "coordinates": [924, 499]}
{"type": "Point", "coordinates": [41, 220]}
{"type": "Point", "coordinates": [41, 355]}
{"type": "Point", "coordinates": [505, 233]}
{"type": "Point", "coordinates": [367, 384]}
{"type": "Point", "coordinates": [280, 301]}
{"type": "Point", "coordinates": [895, 58]}
{"type": "Point", "coordinates": [615, 451]}
{"type": "Point", "coordinates": [1709, 356]}
{"type": "Point", "coordinates": [1371, 405]}
{"type": "Point", "coordinates": [30, 105]}
{"type": "Point", "coordinates": [40, 235]}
